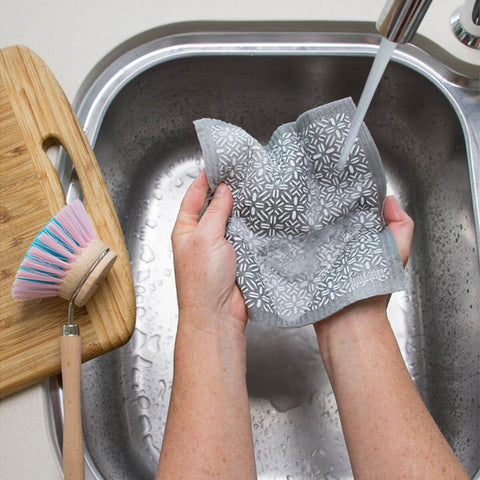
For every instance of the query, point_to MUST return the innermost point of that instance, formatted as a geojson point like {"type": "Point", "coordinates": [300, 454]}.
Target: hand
{"type": "Point", "coordinates": [205, 263]}
{"type": "Point", "coordinates": [401, 226]}
{"type": "Point", "coordinates": [208, 432]}
{"type": "Point", "coordinates": [356, 321]}
{"type": "Point", "coordinates": [383, 417]}
{"type": "Point", "coordinates": [373, 308]}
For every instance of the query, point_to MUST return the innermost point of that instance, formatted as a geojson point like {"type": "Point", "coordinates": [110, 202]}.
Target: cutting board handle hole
{"type": "Point", "coordinates": [63, 165]}
{"type": "Point", "coordinates": [52, 147]}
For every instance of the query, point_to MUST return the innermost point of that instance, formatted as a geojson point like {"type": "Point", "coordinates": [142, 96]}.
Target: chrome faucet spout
{"type": "Point", "coordinates": [400, 19]}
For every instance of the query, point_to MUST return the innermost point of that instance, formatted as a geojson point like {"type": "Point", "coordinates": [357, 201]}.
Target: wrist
{"type": "Point", "coordinates": [352, 327]}
{"type": "Point", "coordinates": [220, 338]}
{"type": "Point", "coordinates": [214, 324]}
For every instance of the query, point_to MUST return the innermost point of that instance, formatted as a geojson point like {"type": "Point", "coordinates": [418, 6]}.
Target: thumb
{"type": "Point", "coordinates": [214, 219]}
{"type": "Point", "coordinates": [401, 226]}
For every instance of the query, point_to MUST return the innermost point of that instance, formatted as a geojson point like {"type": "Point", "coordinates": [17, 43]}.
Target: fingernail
{"type": "Point", "coordinates": [220, 191]}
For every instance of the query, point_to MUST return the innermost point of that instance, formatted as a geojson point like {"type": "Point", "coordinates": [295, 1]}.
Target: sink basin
{"type": "Point", "coordinates": [138, 114]}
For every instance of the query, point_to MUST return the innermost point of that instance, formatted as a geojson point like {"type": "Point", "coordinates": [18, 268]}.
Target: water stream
{"type": "Point", "coordinates": [382, 58]}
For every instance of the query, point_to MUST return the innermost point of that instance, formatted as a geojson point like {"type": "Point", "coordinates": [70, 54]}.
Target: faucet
{"type": "Point", "coordinates": [400, 19]}
{"type": "Point", "coordinates": [398, 23]}
{"type": "Point", "coordinates": [465, 23]}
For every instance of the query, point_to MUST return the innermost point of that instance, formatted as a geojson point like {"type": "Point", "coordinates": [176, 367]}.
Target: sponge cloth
{"type": "Point", "coordinates": [309, 239]}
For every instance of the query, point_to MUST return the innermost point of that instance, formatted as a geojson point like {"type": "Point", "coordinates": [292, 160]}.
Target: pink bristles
{"type": "Point", "coordinates": [84, 222]}
{"type": "Point", "coordinates": [52, 252]}
{"type": "Point", "coordinates": [47, 269]}
{"type": "Point", "coordinates": [60, 243]}
{"type": "Point", "coordinates": [44, 277]}
{"type": "Point", "coordinates": [36, 254]}
{"type": "Point", "coordinates": [77, 223]}
{"type": "Point", "coordinates": [30, 293]}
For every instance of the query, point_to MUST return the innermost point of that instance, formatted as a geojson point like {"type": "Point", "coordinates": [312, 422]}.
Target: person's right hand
{"type": "Point", "coordinates": [387, 428]}
{"type": "Point", "coordinates": [401, 226]}
{"type": "Point", "coordinates": [356, 319]}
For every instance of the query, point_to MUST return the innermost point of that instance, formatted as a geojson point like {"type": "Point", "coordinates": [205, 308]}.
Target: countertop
{"type": "Point", "coordinates": [72, 37]}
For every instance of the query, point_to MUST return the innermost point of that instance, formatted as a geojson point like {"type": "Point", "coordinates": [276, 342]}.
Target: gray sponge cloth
{"type": "Point", "coordinates": [309, 239]}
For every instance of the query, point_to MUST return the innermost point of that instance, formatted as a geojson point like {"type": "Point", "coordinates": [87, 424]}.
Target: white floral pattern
{"type": "Point", "coordinates": [309, 239]}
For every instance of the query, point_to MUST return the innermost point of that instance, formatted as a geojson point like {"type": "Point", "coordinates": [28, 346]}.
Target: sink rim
{"type": "Point", "coordinates": [108, 83]}
{"type": "Point", "coordinates": [460, 91]}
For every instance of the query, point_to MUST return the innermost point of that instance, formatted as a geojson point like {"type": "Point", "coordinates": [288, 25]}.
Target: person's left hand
{"type": "Point", "coordinates": [208, 433]}
{"type": "Point", "coordinates": [205, 262]}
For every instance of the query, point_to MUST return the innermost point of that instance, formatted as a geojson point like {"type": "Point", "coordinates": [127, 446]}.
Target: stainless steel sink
{"type": "Point", "coordinates": [138, 113]}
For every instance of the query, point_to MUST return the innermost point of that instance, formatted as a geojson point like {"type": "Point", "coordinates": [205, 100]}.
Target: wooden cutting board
{"type": "Point", "coordinates": [34, 115]}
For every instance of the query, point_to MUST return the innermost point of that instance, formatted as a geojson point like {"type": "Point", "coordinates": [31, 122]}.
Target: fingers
{"type": "Point", "coordinates": [195, 197]}
{"type": "Point", "coordinates": [214, 220]}
{"type": "Point", "coordinates": [401, 226]}
{"type": "Point", "coordinates": [192, 205]}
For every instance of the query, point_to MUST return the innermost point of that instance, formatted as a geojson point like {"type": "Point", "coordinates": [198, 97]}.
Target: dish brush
{"type": "Point", "coordinates": [68, 260]}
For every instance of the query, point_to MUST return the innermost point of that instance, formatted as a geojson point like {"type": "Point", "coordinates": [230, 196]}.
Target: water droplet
{"type": "Point", "coordinates": [162, 388]}
{"type": "Point", "coordinates": [158, 196]}
{"type": "Point", "coordinates": [138, 339]}
{"type": "Point", "coordinates": [330, 476]}
{"type": "Point", "coordinates": [150, 223]}
{"type": "Point", "coordinates": [146, 253]}
{"type": "Point", "coordinates": [179, 183]}
{"type": "Point", "coordinates": [148, 439]}
{"type": "Point", "coordinates": [145, 424]}
{"type": "Point", "coordinates": [317, 452]}
{"type": "Point", "coordinates": [143, 402]}
{"type": "Point", "coordinates": [167, 272]}
{"type": "Point", "coordinates": [136, 374]}
{"type": "Point", "coordinates": [142, 275]}
{"type": "Point", "coordinates": [142, 362]}
{"type": "Point", "coordinates": [154, 343]}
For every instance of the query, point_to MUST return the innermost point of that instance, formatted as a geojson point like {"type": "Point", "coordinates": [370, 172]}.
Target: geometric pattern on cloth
{"type": "Point", "coordinates": [309, 239]}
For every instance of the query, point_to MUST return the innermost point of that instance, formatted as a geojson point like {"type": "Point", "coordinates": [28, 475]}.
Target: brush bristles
{"type": "Point", "coordinates": [52, 252]}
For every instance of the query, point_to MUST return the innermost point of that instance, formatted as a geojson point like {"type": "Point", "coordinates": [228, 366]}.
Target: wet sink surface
{"type": "Point", "coordinates": [149, 154]}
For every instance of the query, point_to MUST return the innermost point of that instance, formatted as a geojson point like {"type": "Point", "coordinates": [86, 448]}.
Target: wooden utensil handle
{"type": "Point", "coordinates": [35, 114]}
{"type": "Point", "coordinates": [73, 460]}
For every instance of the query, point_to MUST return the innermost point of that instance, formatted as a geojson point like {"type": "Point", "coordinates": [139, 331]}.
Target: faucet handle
{"type": "Point", "coordinates": [465, 23]}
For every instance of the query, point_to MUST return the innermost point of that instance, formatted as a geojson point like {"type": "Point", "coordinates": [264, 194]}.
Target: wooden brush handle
{"type": "Point", "coordinates": [35, 114]}
{"type": "Point", "coordinates": [73, 460]}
